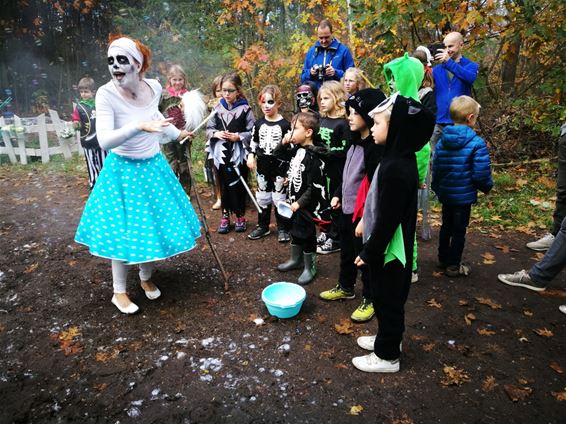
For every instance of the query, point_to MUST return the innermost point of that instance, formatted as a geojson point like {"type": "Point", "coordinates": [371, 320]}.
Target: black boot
{"type": "Point", "coordinates": [283, 227]}
{"type": "Point", "coordinates": [295, 261]}
{"type": "Point", "coordinates": [309, 272]}
{"type": "Point", "coordinates": [262, 228]}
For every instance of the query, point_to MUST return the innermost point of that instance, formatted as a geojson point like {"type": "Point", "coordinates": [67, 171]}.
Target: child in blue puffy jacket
{"type": "Point", "coordinates": [460, 167]}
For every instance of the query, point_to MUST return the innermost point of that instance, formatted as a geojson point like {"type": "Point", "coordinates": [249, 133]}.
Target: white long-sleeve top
{"type": "Point", "coordinates": [117, 123]}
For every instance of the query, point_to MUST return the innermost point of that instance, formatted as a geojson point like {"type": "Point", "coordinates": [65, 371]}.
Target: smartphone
{"type": "Point", "coordinates": [435, 48]}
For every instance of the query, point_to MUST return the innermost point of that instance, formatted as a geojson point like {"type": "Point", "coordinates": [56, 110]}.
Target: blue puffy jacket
{"type": "Point", "coordinates": [336, 54]}
{"type": "Point", "coordinates": [460, 166]}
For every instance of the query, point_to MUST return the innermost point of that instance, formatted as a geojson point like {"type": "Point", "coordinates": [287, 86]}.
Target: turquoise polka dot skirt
{"type": "Point", "coordinates": [138, 212]}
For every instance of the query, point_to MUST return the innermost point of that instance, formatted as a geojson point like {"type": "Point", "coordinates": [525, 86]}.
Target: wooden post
{"type": "Point", "coordinates": [9, 149]}
{"type": "Point", "coordinates": [59, 126]}
{"type": "Point", "coordinates": [43, 142]}
{"type": "Point", "coordinates": [21, 137]}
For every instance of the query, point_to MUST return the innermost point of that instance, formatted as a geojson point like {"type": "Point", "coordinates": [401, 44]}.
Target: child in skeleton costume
{"type": "Point", "coordinates": [335, 133]}
{"type": "Point", "coordinates": [229, 135]}
{"type": "Point", "coordinates": [137, 212]}
{"type": "Point", "coordinates": [267, 134]}
{"type": "Point", "coordinates": [84, 119]}
{"type": "Point", "coordinates": [306, 193]}
{"type": "Point", "coordinates": [403, 126]}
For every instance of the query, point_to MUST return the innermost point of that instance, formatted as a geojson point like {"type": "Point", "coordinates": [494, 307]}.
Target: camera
{"type": "Point", "coordinates": [320, 71]}
{"type": "Point", "coordinates": [436, 48]}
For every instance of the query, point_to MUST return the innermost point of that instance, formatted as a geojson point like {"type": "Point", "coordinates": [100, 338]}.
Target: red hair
{"type": "Point", "coordinates": [144, 50]}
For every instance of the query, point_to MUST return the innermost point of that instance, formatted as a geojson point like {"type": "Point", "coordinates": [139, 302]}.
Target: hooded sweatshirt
{"type": "Point", "coordinates": [408, 74]}
{"type": "Point", "coordinates": [461, 166]}
{"type": "Point", "coordinates": [394, 209]}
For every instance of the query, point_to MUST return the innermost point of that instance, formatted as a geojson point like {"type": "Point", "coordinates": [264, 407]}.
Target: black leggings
{"type": "Point", "coordinates": [233, 193]}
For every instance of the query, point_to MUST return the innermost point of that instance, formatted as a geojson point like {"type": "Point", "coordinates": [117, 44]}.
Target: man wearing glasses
{"type": "Point", "coordinates": [328, 59]}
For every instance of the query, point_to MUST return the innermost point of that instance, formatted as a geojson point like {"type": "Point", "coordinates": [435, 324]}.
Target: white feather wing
{"type": "Point", "coordinates": [194, 109]}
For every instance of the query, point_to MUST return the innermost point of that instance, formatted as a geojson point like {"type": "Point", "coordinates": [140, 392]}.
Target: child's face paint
{"type": "Point", "coordinates": [268, 105]}
{"type": "Point", "coordinates": [86, 94]}
{"type": "Point", "coordinates": [356, 121]}
{"type": "Point", "coordinates": [177, 82]}
{"type": "Point", "coordinates": [229, 92]}
{"type": "Point", "coordinates": [326, 103]}
{"type": "Point", "coordinates": [380, 128]}
{"type": "Point", "coordinates": [350, 83]}
{"type": "Point", "coordinates": [123, 68]}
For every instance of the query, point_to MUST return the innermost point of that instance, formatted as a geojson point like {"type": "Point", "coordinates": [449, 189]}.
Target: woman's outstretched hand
{"type": "Point", "coordinates": [154, 126]}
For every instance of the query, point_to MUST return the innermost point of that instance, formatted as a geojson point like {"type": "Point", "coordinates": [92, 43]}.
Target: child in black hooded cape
{"type": "Point", "coordinates": [390, 218]}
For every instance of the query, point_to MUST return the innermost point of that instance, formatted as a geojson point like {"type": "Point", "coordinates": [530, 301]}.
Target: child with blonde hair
{"type": "Point", "coordinates": [211, 170]}
{"type": "Point", "coordinates": [353, 81]}
{"type": "Point", "coordinates": [335, 134]}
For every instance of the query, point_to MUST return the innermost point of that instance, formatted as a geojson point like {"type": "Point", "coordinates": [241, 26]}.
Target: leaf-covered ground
{"type": "Point", "coordinates": [474, 350]}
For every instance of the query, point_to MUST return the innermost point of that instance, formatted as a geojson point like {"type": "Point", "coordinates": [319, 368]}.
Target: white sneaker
{"type": "Point", "coordinates": [562, 309]}
{"type": "Point", "coordinates": [521, 279]}
{"type": "Point", "coordinates": [367, 342]}
{"type": "Point", "coordinates": [541, 244]}
{"type": "Point", "coordinates": [373, 363]}
{"type": "Point", "coordinates": [414, 277]}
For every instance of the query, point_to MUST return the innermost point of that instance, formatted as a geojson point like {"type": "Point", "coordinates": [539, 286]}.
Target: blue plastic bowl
{"type": "Point", "coordinates": [283, 300]}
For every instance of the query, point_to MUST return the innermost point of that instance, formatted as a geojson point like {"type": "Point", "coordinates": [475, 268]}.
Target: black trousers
{"type": "Point", "coordinates": [308, 244]}
{"type": "Point", "coordinates": [233, 193]}
{"type": "Point", "coordinates": [455, 220]}
{"type": "Point", "coordinates": [351, 246]}
{"type": "Point", "coordinates": [390, 286]}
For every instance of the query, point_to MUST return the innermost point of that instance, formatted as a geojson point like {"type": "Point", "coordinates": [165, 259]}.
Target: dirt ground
{"type": "Point", "coordinates": [475, 350]}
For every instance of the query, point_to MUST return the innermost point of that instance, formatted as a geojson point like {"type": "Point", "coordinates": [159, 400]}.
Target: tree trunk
{"type": "Point", "coordinates": [510, 61]}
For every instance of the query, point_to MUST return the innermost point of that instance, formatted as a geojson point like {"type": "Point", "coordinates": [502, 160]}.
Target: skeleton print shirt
{"type": "Point", "coordinates": [306, 177]}
{"type": "Point", "coordinates": [267, 135]}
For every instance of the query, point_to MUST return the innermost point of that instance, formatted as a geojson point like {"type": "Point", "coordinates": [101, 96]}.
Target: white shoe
{"type": "Point", "coordinates": [562, 309]}
{"type": "Point", "coordinates": [373, 363]}
{"type": "Point", "coordinates": [367, 343]}
{"type": "Point", "coordinates": [541, 244]}
{"type": "Point", "coordinates": [152, 294]}
{"type": "Point", "coordinates": [132, 308]}
{"type": "Point", "coordinates": [414, 277]}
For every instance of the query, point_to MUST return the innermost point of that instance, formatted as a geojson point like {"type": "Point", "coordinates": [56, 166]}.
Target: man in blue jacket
{"type": "Point", "coordinates": [453, 77]}
{"type": "Point", "coordinates": [328, 59]}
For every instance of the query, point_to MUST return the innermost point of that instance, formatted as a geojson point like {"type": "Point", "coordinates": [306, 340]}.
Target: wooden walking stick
{"type": "Point", "coordinates": [204, 222]}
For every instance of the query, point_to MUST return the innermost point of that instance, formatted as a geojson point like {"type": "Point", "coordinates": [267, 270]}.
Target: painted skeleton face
{"type": "Point", "coordinates": [123, 68]}
{"type": "Point", "coordinates": [268, 104]}
{"type": "Point", "coordinates": [304, 97]}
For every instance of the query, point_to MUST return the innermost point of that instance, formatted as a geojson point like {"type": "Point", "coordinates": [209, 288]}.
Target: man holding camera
{"type": "Point", "coordinates": [453, 77]}
{"type": "Point", "coordinates": [328, 59]}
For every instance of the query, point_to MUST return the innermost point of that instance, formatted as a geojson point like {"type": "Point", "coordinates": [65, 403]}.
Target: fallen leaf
{"type": "Point", "coordinates": [553, 293]}
{"type": "Point", "coordinates": [100, 387]}
{"type": "Point", "coordinates": [180, 327]}
{"type": "Point", "coordinates": [517, 393]}
{"type": "Point", "coordinates": [344, 327]}
{"type": "Point", "coordinates": [403, 420]}
{"type": "Point", "coordinates": [489, 384]}
{"type": "Point", "coordinates": [495, 236]}
{"type": "Point", "coordinates": [31, 268]}
{"type": "Point", "coordinates": [503, 247]}
{"type": "Point", "coordinates": [417, 337]}
{"type": "Point", "coordinates": [463, 303]}
{"type": "Point", "coordinates": [427, 347]}
{"type": "Point", "coordinates": [527, 313]}
{"type": "Point", "coordinates": [252, 317]}
{"type": "Point", "coordinates": [523, 339]}
{"type": "Point", "coordinates": [432, 302]}
{"type": "Point", "coordinates": [521, 182]}
{"type": "Point", "coordinates": [488, 259]}
{"type": "Point", "coordinates": [487, 301]}
{"type": "Point", "coordinates": [469, 318]}
{"type": "Point", "coordinates": [356, 410]}
{"type": "Point", "coordinates": [308, 347]}
{"type": "Point", "coordinates": [454, 376]}
{"type": "Point", "coordinates": [561, 396]}
{"type": "Point", "coordinates": [544, 332]}
{"type": "Point", "coordinates": [556, 367]}
{"type": "Point", "coordinates": [106, 356]}
{"type": "Point", "coordinates": [341, 366]}
{"type": "Point", "coordinates": [522, 381]}
{"type": "Point", "coordinates": [538, 256]}
{"type": "Point", "coordinates": [67, 342]}
{"type": "Point", "coordinates": [71, 262]}
{"type": "Point", "coordinates": [485, 332]}
{"type": "Point", "coordinates": [437, 274]}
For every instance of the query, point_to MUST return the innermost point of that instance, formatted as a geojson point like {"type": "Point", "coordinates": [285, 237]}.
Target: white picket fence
{"type": "Point", "coordinates": [15, 136]}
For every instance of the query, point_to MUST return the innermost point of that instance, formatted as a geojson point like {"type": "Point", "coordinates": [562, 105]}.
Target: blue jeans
{"type": "Point", "coordinates": [455, 220]}
{"type": "Point", "coordinates": [554, 260]}
{"type": "Point", "coordinates": [560, 210]}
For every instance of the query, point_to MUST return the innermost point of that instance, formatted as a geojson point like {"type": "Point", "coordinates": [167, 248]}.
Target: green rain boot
{"type": "Point", "coordinates": [295, 261]}
{"type": "Point", "coordinates": [309, 272]}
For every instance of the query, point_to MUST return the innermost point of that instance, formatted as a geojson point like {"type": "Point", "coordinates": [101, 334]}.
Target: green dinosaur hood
{"type": "Point", "coordinates": [408, 74]}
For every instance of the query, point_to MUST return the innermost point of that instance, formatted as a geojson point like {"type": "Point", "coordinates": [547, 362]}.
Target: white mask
{"type": "Point", "coordinates": [123, 69]}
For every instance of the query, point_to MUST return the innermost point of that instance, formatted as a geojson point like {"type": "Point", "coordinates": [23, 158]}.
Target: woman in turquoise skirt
{"type": "Point", "coordinates": [138, 213]}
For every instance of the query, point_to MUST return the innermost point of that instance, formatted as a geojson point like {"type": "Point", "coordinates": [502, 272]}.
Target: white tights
{"type": "Point", "coordinates": [120, 274]}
